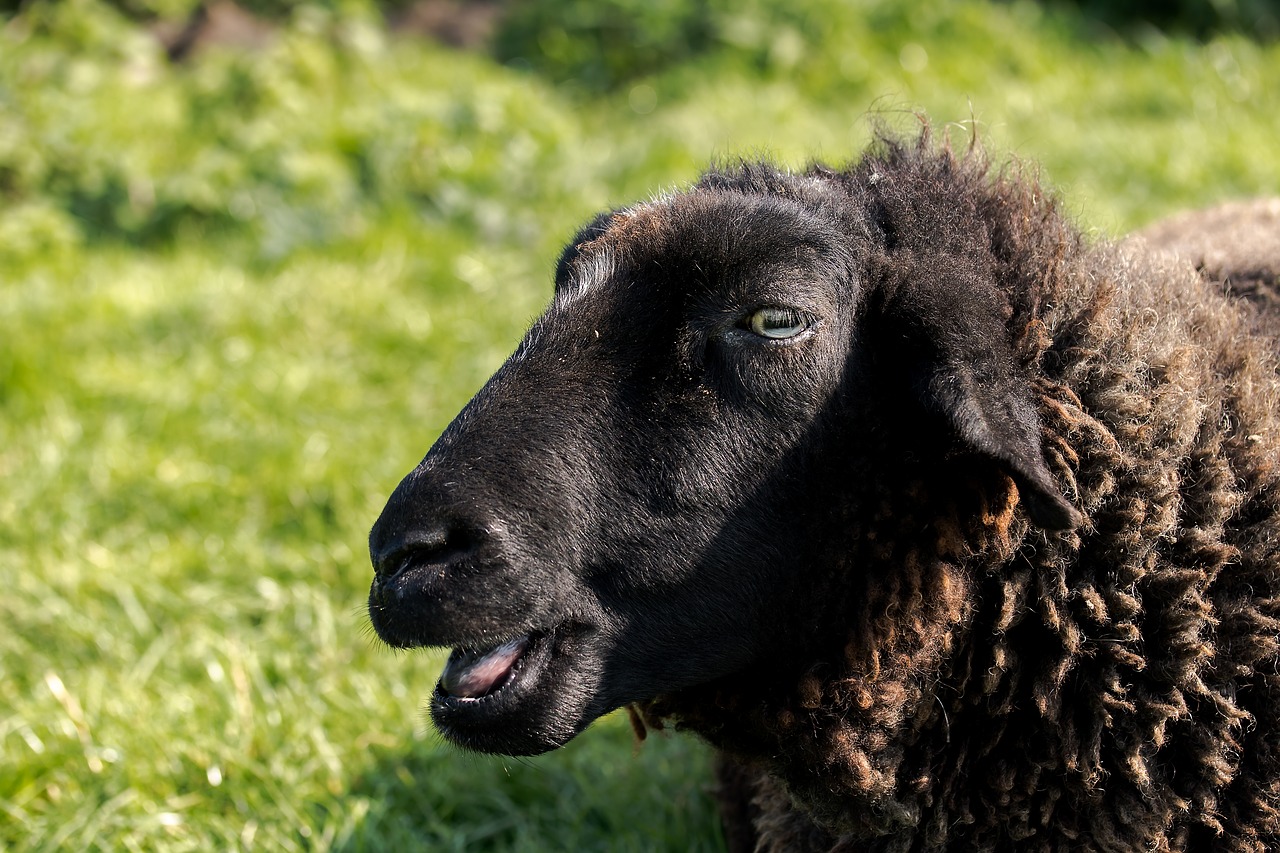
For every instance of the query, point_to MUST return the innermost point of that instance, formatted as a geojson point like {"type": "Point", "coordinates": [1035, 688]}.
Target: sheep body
{"type": "Point", "coordinates": [988, 557]}
{"type": "Point", "coordinates": [1236, 243]}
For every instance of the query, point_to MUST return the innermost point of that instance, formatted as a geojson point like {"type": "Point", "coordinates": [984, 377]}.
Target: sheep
{"type": "Point", "coordinates": [948, 528]}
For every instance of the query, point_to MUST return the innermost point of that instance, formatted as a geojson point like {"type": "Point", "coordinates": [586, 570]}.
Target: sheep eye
{"type": "Point", "coordinates": [777, 323]}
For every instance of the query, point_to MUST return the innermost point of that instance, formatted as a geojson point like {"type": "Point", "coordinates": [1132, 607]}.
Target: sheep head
{"type": "Point", "coordinates": [658, 488]}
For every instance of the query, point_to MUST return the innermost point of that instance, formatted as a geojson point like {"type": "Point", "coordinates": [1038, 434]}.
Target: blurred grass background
{"type": "Point", "coordinates": [247, 276]}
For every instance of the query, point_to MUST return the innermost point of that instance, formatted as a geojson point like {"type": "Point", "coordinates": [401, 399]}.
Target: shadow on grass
{"type": "Point", "coordinates": [597, 793]}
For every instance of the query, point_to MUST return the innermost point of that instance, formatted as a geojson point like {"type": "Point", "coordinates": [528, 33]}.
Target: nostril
{"type": "Point", "coordinates": [394, 566]}
{"type": "Point", "coordinates": [436, 545]}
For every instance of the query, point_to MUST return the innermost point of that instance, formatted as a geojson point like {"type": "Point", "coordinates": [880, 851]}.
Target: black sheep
{"type": "Point", "coordinates": [950, 530]}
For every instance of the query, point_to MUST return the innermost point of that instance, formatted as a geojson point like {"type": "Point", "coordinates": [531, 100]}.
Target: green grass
{"type": "Point", "coordinates": [239, 299]}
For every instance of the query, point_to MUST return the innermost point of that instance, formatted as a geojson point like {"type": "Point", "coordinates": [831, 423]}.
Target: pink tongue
{"type": "Point", "coordinates": [470, 675]}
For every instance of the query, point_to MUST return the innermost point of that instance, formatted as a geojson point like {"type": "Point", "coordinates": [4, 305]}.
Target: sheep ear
{"type": "Point", "coordinates": [592, 230]}
{"type": "Point", "coordinates": [994, 416]}
{"type": "Point", "coordinates": [954, 347]}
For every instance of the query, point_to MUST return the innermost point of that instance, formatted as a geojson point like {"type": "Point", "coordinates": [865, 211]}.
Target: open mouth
{"type": "Point", "coordinates": [524, 696]}
{"type": "Point", "coordinates": [475, 674]}
{"type": "Point", "coordinates": [495, 676]}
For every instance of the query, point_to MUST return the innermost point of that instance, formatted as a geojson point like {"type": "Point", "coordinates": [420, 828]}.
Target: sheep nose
{"type": "Point", "coordinates": [439, 543]}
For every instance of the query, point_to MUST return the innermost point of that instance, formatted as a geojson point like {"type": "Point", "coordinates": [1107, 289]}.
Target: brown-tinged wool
{"type": "Point", "coordinates": [1000, 688]}
{"type": "Point", "coordinates": [1236, 244]}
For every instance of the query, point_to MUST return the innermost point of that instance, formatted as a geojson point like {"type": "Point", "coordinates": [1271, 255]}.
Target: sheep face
{"type": "Point", "coordinates": [619, 510]}
{"type": "Point", "coordinates": [633, 503]}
